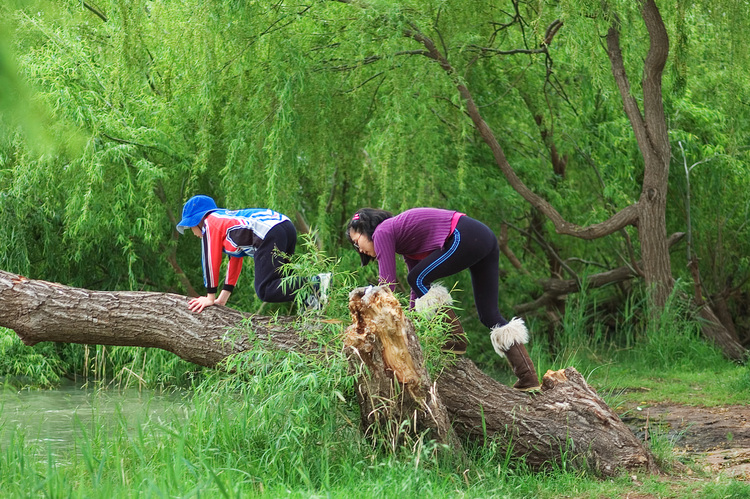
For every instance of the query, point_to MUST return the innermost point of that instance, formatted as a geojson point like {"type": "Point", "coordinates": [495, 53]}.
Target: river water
{"type": "Point", "coordinates": [51, 420]}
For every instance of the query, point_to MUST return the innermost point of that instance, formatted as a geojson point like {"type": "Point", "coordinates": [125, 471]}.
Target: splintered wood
{"type": "Point", "coordinates": [377, 315]}
{"type": "Point", "coordinates": [396, 396]}
{"type": "Point", "coordinates": [567, 418]}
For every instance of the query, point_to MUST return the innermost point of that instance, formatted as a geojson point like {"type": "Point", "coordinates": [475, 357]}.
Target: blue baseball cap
{"type": "Point", "coordinates": [195, 209]}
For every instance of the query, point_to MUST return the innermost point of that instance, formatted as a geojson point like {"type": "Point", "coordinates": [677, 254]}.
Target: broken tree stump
{"type": "Point", "coordinates": [567, 420]}
{"type": "Point", "coordinates": [394, 390]}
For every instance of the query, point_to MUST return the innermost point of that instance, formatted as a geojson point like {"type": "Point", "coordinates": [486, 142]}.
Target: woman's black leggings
{"type": "Point", "coordinates": [472, 246]}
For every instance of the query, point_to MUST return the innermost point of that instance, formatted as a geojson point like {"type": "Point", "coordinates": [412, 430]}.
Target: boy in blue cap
{"type": "Point", "coordinates": [266, 235]}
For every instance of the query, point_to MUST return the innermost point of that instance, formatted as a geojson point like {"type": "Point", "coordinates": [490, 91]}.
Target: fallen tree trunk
{"type": "Point", "coordinates": [44, 311]}
{"type": "Point", "coordinates": [566, 419]}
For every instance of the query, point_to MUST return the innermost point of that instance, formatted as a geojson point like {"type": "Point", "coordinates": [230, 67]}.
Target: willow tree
{"type": "Point", "coordinates": [510, 112]}
{"type": "Point", "coordinates": [155, 103]}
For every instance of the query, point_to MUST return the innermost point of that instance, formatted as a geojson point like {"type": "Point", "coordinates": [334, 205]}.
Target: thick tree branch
{"type": "Point", "coordinates": [653, 102]}
{"type": "Point", "coordinates": [43, 311]}
{"type": "Point", "coordinates": [494, 51]}
{"type": "Point", "coordinates": [650, 131]}
{"type": "Point", "coordinates": [626, 216]}
{"type": "Point", "coordinates": [502, 241]}
{"type": "Point", "coordinates": [554, 289]}
{"type": "Point", "coordinates": [623, 84]}
{"type": "Point", "coordinates": [551, 31]}
{"type": "Point", "coordinates": [96, 10]}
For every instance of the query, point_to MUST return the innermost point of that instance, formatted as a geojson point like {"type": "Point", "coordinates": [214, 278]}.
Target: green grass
{"type": "Point", "coordinates": [232, 452]}
{"type": "Point", "coordinates": [724, 385]}
{"type": "Point", "coordinates": [287, 427]}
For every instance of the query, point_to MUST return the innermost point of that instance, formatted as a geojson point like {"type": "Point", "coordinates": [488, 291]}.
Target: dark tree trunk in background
{"type": "Point", "coordinates": [567, 420]}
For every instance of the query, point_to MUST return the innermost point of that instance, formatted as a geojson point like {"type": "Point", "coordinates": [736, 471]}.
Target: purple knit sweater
{"type": "Point", "coordinates": [413, 234]}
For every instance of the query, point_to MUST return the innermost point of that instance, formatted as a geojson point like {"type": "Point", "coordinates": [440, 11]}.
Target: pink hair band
{"type": "Point", "coordinates": [356, 216]}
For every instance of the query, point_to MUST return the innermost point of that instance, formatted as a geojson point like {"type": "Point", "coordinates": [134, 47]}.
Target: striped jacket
{"type": "Point", "coordinates": [238, 233]}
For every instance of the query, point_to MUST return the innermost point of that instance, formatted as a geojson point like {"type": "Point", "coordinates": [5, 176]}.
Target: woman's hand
{"type": "Point", "coordinates": [198, 304]}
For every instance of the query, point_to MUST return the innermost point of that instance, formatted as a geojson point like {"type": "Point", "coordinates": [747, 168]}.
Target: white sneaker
{"type": "Point", "coordinates": [325, 283]}
{"type": "Point", "coordinates": [318, 300]}
{"type": "Point", "coordinates": [312, 303]}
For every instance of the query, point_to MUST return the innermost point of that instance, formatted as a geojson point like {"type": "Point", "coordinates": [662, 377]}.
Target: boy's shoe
{"type": "Point", "coordinates": [312, 303]}
{"type": "Point", "coordinates": [325, 283]}
{"type": "Point", "coordinates": [319, 299]}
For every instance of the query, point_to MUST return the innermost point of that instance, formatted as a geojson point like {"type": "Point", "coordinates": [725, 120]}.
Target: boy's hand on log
{"type": "Point", "coordinates": [223, 297]}
{"type": "Point", "coordinates": [198, 304]}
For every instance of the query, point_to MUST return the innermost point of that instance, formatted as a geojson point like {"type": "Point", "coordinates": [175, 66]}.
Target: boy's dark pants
{"type": "Point", "coordinates": [272, 253]}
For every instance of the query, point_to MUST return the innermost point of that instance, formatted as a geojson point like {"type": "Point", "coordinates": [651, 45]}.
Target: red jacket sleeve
{"type": "Point", "coordinates": [233, 272]}
{"type": "Point", "coordinates": [212, 245]}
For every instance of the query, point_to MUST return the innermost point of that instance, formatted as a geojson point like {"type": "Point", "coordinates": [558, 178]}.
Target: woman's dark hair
{"type": "Point", "coordinates": [365, 221]}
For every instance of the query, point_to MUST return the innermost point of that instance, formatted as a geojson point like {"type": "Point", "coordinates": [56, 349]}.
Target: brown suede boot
{"type": "Point", "coordinates": [509, 340]}
{"type": "Point", "coordinates": [523, 368]}
{"type": "Point", "coordinates": [457, 341]}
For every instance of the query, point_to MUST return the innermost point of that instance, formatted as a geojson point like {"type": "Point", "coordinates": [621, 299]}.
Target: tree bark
{"type": "Point", "coordinates": [44, 311]}
{"type": "Point", "coordinates": [651, 133]}
{"type": "Point", "coordinates": [567, 420]}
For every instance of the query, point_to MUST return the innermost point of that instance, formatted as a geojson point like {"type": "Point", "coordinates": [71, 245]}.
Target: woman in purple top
{"type": "Point", "coordinates": [437, 243]}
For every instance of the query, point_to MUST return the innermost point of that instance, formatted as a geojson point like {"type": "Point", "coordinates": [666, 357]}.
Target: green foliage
{"type": "Point", "coordinates": [40, 366]}
{"type": "Point", "coordinates": [742, 384]}
{"type": "Point", "coordinates": [320, 110]}
{"type": "Point", "coordinates": [195, 450]}
{"type": "Point", "coordinates": [675, 341]}
{"type": "Point", "coordinates": [288, 422]}
{"type": "Point", "coordinates": [45, 364]}
{"type": "Point", "coordinates": [110, 121]}
{"type": "Point", "coordinates": [433, 329]}
{"type": "Point", "coordinates": [670, 342]}
{"type": "Point", "coordinates": [277, 423]}
{"type": "Point", "coordinates": [310, 261]}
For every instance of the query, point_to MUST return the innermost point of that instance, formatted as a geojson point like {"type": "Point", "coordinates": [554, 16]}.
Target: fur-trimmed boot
{"type": "Point", "coordinates": [438, 300]}
{"type": "Point", "coordinates": [509, 341]}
